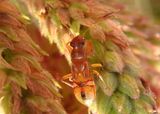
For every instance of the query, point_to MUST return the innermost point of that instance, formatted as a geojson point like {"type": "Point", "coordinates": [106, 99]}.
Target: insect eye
{"type": "Point", "coordinates": [81, 44]}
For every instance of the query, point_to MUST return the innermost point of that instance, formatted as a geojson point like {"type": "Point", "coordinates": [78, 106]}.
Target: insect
{"type": "Point", "coordinates": [81, 77]}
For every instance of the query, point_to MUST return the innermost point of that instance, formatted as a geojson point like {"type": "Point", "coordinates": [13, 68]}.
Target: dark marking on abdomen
{"type": "Point", "coordinates": [83, 95]}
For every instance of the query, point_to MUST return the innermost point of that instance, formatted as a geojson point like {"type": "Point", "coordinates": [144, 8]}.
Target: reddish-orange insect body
{"type": "Point", "coordinates": [80, 78]}
{"type": "Point", "coordinates": [80, 68]}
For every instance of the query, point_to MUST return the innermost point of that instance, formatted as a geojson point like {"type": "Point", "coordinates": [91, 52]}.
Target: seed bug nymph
{"type": "Point", "coordinates": [81, 77]}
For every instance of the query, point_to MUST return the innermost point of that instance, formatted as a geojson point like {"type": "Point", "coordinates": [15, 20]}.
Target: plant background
{"type": "Point", "coordinates": [149, 8]}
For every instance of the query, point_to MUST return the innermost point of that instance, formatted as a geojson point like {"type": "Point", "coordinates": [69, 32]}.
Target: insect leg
{"type": "Point", "coordinates": [98, 75]}
{"type": "Point", "coordinates": [66, 79]}
{"type": "Point", "coordinates": [68, 83]}
{"type": "Point", "coordinates": [96, 65]}
{"type": "Point", "coordinates": [68, 76]}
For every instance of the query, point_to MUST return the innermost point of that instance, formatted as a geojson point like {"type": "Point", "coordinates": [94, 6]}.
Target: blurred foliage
{"type": "Point", "coordinates": [125, 42]}
{"type": "Point", "coordinates": [156, 9]}
{"type": "Point", "coordinates": [25, 86]}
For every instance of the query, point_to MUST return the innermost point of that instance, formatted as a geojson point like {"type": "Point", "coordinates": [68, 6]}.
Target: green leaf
{"type": "Point", "coordinates": [155, 41]}
{"type": "Point", "coordinates": [7, 88]}
{"type": "Point", "coordinates": [6, 99]}
{"type": "Point", "coordinates": [148, 98]}
{"type": "Point", "coordinates": [97, 32]}
{"type": "Point", "coordinates": [38, 48]}
{"type": "Point", "coordinates": [50, 1]}
{"type": "Point", "coordinates": [85, 32]}
{"type": "Point", "coordinates": [75, 27]}
{"type": "Point", "coordinates": [11, 34]}
{"type": "Point", "coordinates": [128, 85]}
{"type": "Point", "coordinates": [142, 107]}
{"type": "Point", "coordinates": [51, 87]}
{"type": "Point", "coordinates": [38, 102]}
{"type": "Point", "coordinates": [155, 64]}
{"type": "Point", "coordinates": [109, 83]}
{"type": "Point", "coordinates": [50, 77]}
{"type": "Point", "coordinates": [112, 111]}
{"type": "Point", "coordinates": [104, 26]}
{"type": "Point", "coordinates": [17, 77]}
{"type": "Point", "coordinates": [103, 102]}
{"type": "Point", "coordinates": [140, 86]}
{"type": "Point", "coordinates": [121, 103]}
{"type": "Point", "coordinates": [113, 62]}
{"type": "Point", "coordinates": [132, 66]}
{"type": "Point", "coordinates": [99, 50]}
{"type": "Point", "coordinates": [57, 107]}
{"type": "Point", "coordinates": [24, 111]}
{"type": "Point", "coordinates": [3, 62]}
{"type": "Point", "coordinates": [32, 60]}
{"type": "Point", "coordinates": [8, 55]}
{"type": "Point", "coordinates": [6, 104]}
{"type": "Point", "coordinates": [109, 45]}
{"type": "Point", "coordinates": [55, 18]}
{"type": "Point", "coordinates": [80, 6]}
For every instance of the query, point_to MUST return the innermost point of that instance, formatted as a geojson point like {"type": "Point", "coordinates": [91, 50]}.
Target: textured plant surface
{"type": "Point", "coordinates": [25, 87]}
{"type": "Point", "coordinates": [125, 43]}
